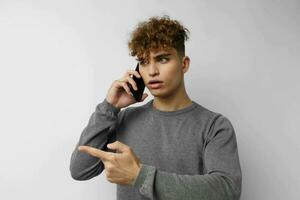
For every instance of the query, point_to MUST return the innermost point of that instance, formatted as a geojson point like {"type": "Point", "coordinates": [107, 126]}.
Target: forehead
{"type": "Point", "coordinates": [159, 52]}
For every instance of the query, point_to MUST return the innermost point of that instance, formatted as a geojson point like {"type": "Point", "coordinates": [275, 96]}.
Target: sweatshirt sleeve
{"type": "Point", "coordinates": [99, 131]}
{"type": "Point", "coordinates": [222, 176]}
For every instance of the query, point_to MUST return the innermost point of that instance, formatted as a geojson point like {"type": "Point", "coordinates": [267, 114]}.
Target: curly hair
{"type": "Point", "coordinates": [155, 34]}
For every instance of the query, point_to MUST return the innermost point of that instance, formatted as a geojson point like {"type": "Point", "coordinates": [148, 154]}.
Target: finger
{"type": "Point", "coordinates": [94, 152]}
{"type": "Point", "coordinates": [126, 87]}
{"type": "Point", "coordinates": [123, 83]}
{"type": "Point", "coordinates": [145, 95]}
{"type": "Point", "coordinates": [132, 82]}
{"type": "Point", "coordinates": [133, 72]}
{"type": "Point", "coordinates": [119, 146]}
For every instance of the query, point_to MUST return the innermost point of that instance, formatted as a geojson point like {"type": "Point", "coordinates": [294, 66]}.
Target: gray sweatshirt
{"type": "Point", "coordinates": [187, 154]}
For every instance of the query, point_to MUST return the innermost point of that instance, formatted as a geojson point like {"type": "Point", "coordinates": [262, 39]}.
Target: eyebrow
{"type": "Point", "coordinates": [162, 55]}
{"type": "Point", "coordinates": [157, 56]}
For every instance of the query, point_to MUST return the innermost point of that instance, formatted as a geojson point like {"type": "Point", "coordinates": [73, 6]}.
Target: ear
{"type": "Point", "coordinates": [185, 64]}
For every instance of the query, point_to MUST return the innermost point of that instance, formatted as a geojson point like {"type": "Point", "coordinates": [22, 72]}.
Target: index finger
{"type": "Point", "coordinates": [131, 73]}
{"type": "Point", "coordinates": [103, 155]}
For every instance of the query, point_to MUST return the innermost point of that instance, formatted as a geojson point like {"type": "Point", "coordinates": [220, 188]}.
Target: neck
{"type": "Point", "coordinates": [176, 101]}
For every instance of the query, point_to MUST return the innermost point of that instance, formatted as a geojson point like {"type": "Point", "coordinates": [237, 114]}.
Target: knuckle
{"type": "Point", "coordinates": [118, 82]}
{"type": "Point", "coordinates": [129, 79]}
{"type": "Point", "coordinates": [107, 175]}
{"type": "Point", "coordinates": [111, 158]}
{"type": "Point", "coordinates": [109, 179]}
{"type": "Point", "coordinates": [108, 169]}
{"type": "Point", "coordinates": [128, 72]}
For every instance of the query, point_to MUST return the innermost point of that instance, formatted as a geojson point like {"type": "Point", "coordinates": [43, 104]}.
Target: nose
{"type": "Point", "coordinates": [153, 70]}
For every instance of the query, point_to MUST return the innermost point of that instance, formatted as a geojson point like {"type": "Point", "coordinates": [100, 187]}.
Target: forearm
{"type": "Point", "coordinates": [156, 184]}
{"type": "Point", "coordinates": [96, 134]}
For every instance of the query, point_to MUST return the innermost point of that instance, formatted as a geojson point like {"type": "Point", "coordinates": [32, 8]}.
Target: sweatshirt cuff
{"type": "Point", "coordinates": [145, 180]}
{"type": "Point", "coordinates": [106, 107]}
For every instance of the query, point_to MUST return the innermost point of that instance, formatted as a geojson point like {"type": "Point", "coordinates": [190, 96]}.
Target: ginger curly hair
{"type": "Point", "coordinates": [155, 34]}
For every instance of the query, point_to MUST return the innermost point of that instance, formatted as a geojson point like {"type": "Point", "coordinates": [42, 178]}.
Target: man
{"type": "Point", "coordinates": [169, 148]}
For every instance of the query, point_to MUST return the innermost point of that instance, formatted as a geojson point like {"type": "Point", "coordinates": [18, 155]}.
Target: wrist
{"type": "Point", "coordinates": [137, 173]}
{"type": "Point", "coordinates": [112, 104]}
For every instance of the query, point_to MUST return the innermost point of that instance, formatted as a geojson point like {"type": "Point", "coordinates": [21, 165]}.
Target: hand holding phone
{"type": "Point", "coordinates": [137, 94]}
{"type": "Point", "coordinates": [121, 93]}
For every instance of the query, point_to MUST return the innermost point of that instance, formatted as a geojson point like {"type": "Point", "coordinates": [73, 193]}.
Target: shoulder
{"type": "Point", "coordinates": [220, 126]}
{"type": "Point", "coordinates": [213, 121]}
{"type": "Point", "coordinates": [205, 116]}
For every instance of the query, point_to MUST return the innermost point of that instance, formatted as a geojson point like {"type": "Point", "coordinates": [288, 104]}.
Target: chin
{"type": "Point", "coordinates": [160, 93]}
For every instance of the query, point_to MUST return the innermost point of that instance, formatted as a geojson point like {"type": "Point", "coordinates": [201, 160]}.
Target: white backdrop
{"type": "Point", "coordinates": [59, 58]}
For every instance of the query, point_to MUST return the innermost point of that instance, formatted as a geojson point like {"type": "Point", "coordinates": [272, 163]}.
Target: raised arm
{"type": "Point", "coordinates": [222, 176]}
{"type": "Point", "coordinates": [101, 128]}
{"type": "Point", "coordinates": [99, 131]}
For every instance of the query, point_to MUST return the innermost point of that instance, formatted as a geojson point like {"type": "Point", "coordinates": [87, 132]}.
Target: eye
{"type": "Point", "coordinates": [164, 60]}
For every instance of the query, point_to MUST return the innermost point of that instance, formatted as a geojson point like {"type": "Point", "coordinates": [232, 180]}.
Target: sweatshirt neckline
{"type": "Point", "coordinates": [171, 113]}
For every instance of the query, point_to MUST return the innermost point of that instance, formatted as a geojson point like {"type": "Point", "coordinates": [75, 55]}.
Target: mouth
{"type": "Point", "coordinates": [155, 84]}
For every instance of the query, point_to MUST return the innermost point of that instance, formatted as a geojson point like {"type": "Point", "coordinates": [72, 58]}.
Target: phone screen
{"type": "Point", "coordinates": [137, 94]}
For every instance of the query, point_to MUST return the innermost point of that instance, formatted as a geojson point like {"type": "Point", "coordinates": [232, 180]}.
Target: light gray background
{"type": "Point", "coordinates": [59, 58]}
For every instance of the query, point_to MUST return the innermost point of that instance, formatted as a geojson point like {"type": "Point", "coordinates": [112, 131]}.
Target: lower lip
{"type": "Point", "coordinates": [155, 85]}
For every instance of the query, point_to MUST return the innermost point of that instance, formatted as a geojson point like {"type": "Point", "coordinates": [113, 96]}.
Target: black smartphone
{"type": "Point", "coordinates": [137, 94]}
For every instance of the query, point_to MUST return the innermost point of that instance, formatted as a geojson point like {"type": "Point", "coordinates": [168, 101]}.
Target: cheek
{"type": "Point", "coordinates": [172, 77]}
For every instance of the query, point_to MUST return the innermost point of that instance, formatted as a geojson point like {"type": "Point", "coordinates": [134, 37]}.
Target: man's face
{"type": "Point", "coordinates": [165, 66]}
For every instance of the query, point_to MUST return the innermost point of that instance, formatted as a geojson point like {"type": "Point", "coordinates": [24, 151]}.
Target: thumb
{"type": "Point", "coordinates": [118, 146]}
{"type": "Point", "coordinates": [145, 95]}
